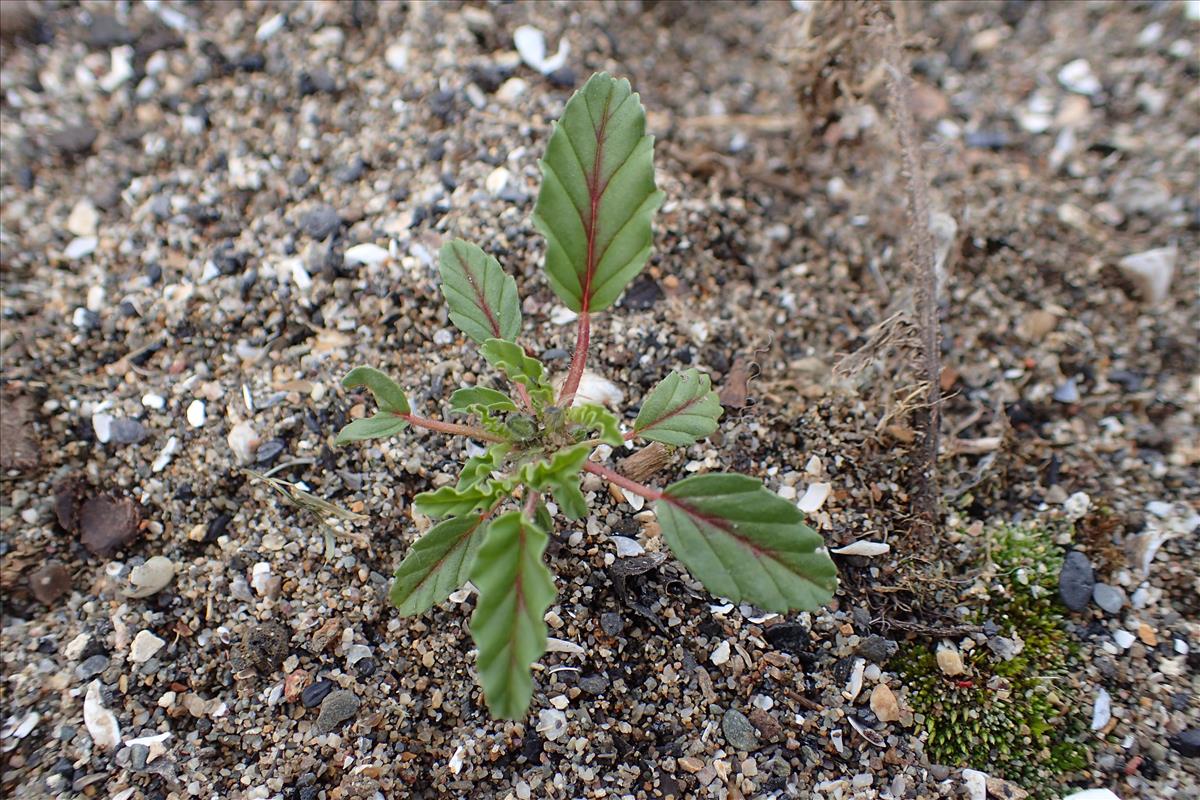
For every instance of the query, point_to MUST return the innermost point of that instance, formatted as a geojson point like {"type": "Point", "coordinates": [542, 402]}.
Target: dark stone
{"type": "Point", "coordinates": [488, 76]}
{"type": "Point", "coordinates": [877, 649]}
{"type": "Point", "coordinates": [1187, 743]}
{"type": "Point", "coordinates": [107, 524]}
{"type": "Point", "coordinates": [298, 177]}
{"type": "Point", "coordinates": [788, 637]}
{"type": "Point", "coordinates": [138, 754]}
{"type": "Point", "coordinates": [252, 62]}
{"type": "Point", "coordinates": [555, 354]}
{"type": "Point", "coordinates": [269, 450]}
{"type": "Point", "coordinates": [336, 709]}
{"type": "Point", "coordinates": [217, 527]}
{"type": "Point", "coordinates": [228, 260]}
{"type": "Point", "coordinates": [320, 222]}
{"type": "Point", "coordinates": [91, 666]}
{"type": "Point", "coordinates": [643, 294]}
{"type": "Point", "coordinates": [106, 32]}
{"type": "Point", "coordinates": [74, 140]}
{"type": "Point", "coordinates": [128, 431]}
{"type": "Point", "coordinates": [314, 693]}
{"type": "Point", "coordinates": [365, 667]}
{"type": "Point", "coordinates": [49, 582]}
{"type": "Point", "coordinates": [1076, 580]}
{"type": "Point", "coordinates": [563, 78]}
{"type": "Point", "coordinates": [612, 623]}
{"type": "Point", "coordinates": [987, 140]}
{"type": "Point", "coordinates": [739, 733]}
{"type": "Point", "coordinates": [351, 172]}
{"type": "Point", "coordinates": [318, 80]}
{"type": "Point", "coordinates": [594, 683]}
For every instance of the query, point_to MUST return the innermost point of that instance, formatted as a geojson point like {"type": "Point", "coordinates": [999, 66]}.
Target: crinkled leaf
{"type": "Point", "coordinates": [478, 468]}
{"type": "Point", "coordinates": [380, 426]}
{"type": "Point", "coordinates": [482, 298]}
{"type": "Point", "coordinates": [681, 409]}
{"type": "Point", "coordinates": [515, 589]}
{"type": "Point", "coordinates": [560, 476]}
{"type": "Point", "coordinates": [476, 399]}
{"type": "Point", "coordinates": [437, 564]}
{"type": "Point", "coordinates": [450, 501]}
{"type": "Point", "coordinates": [746, 543]}
{"type": "Point", "coordinates": [601, 421]}
{"type": "Point", "coordinates": [388, 395]}
{"type": "Point", "coordinates": [597, 194]}
{"type": "Point", "coordinates": [511, 360]}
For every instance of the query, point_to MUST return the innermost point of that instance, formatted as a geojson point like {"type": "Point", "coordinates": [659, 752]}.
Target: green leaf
{"type": "Point", "coordinates": [560, 476]}
{"type": "Point", "coordinates": [388, 395]}
{"type": "Point", "coordinates": [511, 360]}
{"type": "Point", "coordinates": [746, 543]}
{"type": "Point", "coordinates": [437, 564]}
{"type": "Point", "coordinates": [681, 409]}
{"type": "Point", "coordinates": [597, 195]}
{"type": "Point", "coordinates": [450, 501]}
{"type": "Point", "coordinates": [380, 426]}
{"type": "Point", "coordinates": [595, 418]}
{"type": "Point", "coordinates": [478, 468]}
{"type": "Point", "coordinates": [515, 589]}
{"type": "Point", "coordinates": [482, 298]}
{"type": "Point", "coordinates": [478, 399]}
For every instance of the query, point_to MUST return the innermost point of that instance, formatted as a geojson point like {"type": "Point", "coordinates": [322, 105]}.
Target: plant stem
{"type": "Point", "coordinates": [612, 476]}
{"type": "Point", "coordinates": [523, 393]}
{"type": "Point", "coordinates": [531, 504]}
{"type": "Point", "coordinates": [450, 427]}
{"type": "Point", "coordinates": [583, 335]}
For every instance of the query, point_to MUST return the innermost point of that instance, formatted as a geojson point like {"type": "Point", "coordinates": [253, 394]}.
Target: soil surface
{"type": "Point", "coordinates": [186, 194]}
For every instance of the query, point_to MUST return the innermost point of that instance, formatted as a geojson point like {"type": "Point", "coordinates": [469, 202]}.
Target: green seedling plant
{"type": "Point", "coordinates": [740, 540]}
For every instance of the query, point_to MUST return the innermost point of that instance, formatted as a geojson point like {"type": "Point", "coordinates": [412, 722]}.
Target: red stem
{"type": "Point", "coordinates": [449, 427]}
{"type": "Point", "coordinates": [531, 504]}
{"type": "Point", "coordinates": [523, 393]}
{"type": "Point", "coordinates": [612, 476]}
{"type": "Point", "coordinates": [583, 335]}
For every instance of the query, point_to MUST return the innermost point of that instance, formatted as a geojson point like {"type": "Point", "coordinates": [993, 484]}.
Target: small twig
{"type": "Point", "coordinates": [614, 477]}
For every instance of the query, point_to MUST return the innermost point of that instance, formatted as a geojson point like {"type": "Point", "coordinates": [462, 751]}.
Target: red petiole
{"type": "Point", "coordinates": [614, 477]}
{"type": "Point", "coordinates": [450, 427]}
{"type": "Point", "coordinates": [583, 335]}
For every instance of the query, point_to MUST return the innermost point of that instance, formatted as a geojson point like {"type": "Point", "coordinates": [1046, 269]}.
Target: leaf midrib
{"type": "Point", "coordinates": [480, 300]}
{"type": "Point", "coordinates": [437, 564]}
{"type": "Point", "coordinates": [721, 524]}
{"type": "Point", "coordinates": [657, 422]}
{"type": "Point", "coordinates": [595, 193]}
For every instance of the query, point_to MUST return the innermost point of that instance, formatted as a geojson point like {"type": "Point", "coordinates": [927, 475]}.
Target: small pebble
{"type": "Point", "coordinates": [196, 414]}
{"type": "Point", "coordinates": [1109, 598]}
{"type": "Point", "coordinates": [739, 733]}
{"type": "Point", "coordinates": [314, 693]}
{"type": "Point", "coordinates": [336, 708]}
{"type": "Point", "coordinates": [144, 647]}
{"type": "Point", "coordinates": [1076, 580]}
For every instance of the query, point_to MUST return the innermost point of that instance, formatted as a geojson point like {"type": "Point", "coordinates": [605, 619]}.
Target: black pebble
{"type": "Point", "coordinates": [351, 172]}
{"type": "Point", "coordinates": [313, 694]}
{"type": "Point", "coordinates": [643, 294]}
{"type": "Point", "coordinates": [1187, 743]}
{"type": "Point", "coordinates": [269, 450]}
{"type": "Point", "coordinates": [563, 78]}
{"type": "Point", "coordinates": [1076, 580]}
{"type": "Point", "coordinates": [788, 637]}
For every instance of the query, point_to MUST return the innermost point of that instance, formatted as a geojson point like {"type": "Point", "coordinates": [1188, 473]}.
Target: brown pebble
{"type": "Point", "coordinates": [107, 524]}
{"type": "Point", "coordinates": [49, 582]}
{"type": "Point", "coordinates": [1147, 635]}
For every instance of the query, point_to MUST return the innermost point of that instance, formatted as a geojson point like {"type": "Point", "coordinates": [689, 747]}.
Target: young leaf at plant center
{"type": "Point", "coordinates": [450, 501]}
{"type": "Point", "coordinates": [680, 410]}
{"type": "Point", "coordinates": [591, 417]}
{"type": "Point", "coordinates": [746, 543]}
{"type": "Point", "coordinates": [388, 395]}
{"type": "Point", "coordinates": [597, 195]}
{"type": "Point", "coordinates": [560, 476]}
{"type": "Point", "coordinates": [478, 468]}
{"type": "Point", "coordinates": [482, 298]}
{"type": "Point", "coordinates": [379, 426]}
{"type": "Point", "coordinates": [515, 589]}
{"type": "Point", "coordinates": [511, 360]}
{"type": "Point", "coordinates": [437, 564]}
{"type": "Point", "coordinates": [477, 399]}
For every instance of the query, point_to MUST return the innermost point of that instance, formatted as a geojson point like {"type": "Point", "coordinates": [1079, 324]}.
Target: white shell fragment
{"type": "Point", "coordinates": [1077, 76]}
{"type": "Point", "coordinates": [563, 646]}
{"type": "Point", "coordinates": [367, 253]}
{"type": "Point", "coordinates": [868, 549]}
{"type": "Point", "coordinates": [1093, 794]}
{"type": "Point", "coordinates": [151, 577]}
{"type": "Point", "coordinates": [626, 547]}
{"type": "Point", "coordinates": [721, 654]}
{"type": "Point", "coordinates": [594, 388]}
{"type": "Point", "coordinates": [243, 441]}
{"type": "Point", "coordinates": [856, 679]}
{"type": "Point", "coordinates": [552, 723]}
{"type": "Point", "coordinates": [531, 44]}
{"type": "Point", "coordinates": [144, 646]}
{"type": "Point", "coordinates": [1151, 272]}
{"type": "Point", "coordinates": [1102, 710]}
{"type": "Point", "coordinates": [80, 247]}
{"type": "Point", "coordinates": [100, 722]}
{"type": "Point", "coordinates": [814, 497]}
{"type": "Point", "coordinates": [196, 415]}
